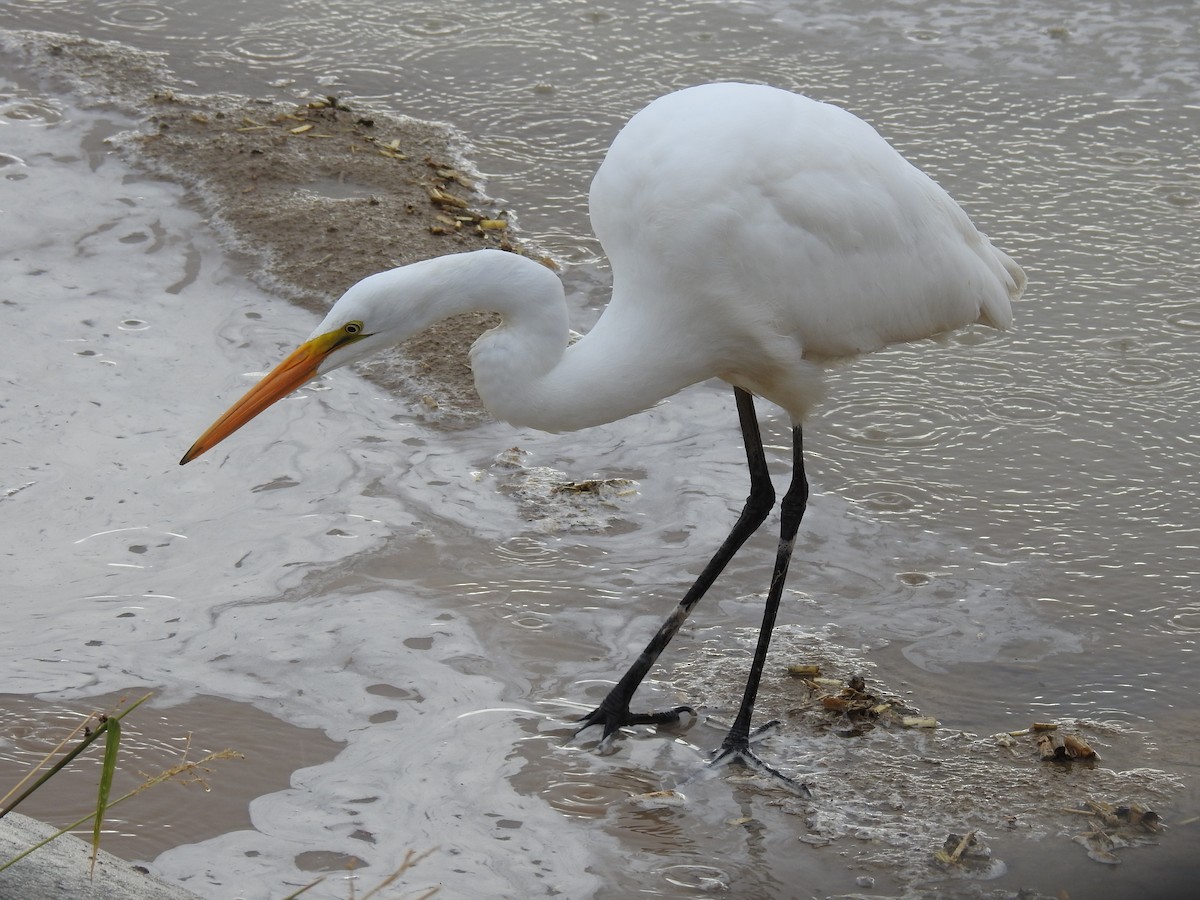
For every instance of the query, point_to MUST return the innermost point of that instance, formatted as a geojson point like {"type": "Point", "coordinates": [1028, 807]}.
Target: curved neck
{"type": "Point", "coordinates": [527, 375]}
{"type": "Point", "coordinates": [524, 371]}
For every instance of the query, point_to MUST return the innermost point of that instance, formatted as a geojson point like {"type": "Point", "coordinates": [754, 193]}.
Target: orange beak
{"type": "Point", "coordinates": [299, 367]}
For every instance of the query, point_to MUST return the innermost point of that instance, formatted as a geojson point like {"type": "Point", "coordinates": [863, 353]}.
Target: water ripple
{"type": "Point", "coordinates": [273, 46]}
{"type": "Point", "coordinates": [529, 551]}
{"type": "Point", "coordinates": [1028, 408]}
{"type": "Point", "coordinates": [1185, 620]}
{"type": "Point", "coordinates": [910, 425]}
{"type": "Point", "coordinates": [30, 110]}
{"type": "Point", "coordinates": [884, 497]}
{"type": "Point", "coordinates": [136, 16]}
{"type": "Point", "coordinates": [1185, 320]}
{"type": "Point", "coordinates": [590, 795]}
{"type": "Point", "coordinates": [1102, 372]}
{"type": "Point", "coordinates": [704, 879]}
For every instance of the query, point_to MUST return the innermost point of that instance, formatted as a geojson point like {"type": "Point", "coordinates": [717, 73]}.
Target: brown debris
{"type": "Point", "coordinates": [858, 709]}
{"type": "Point", "coordinates": [804, 670]}
{"type": "Point", "coordinates": [955, 846]}
{"type": "Point", "coordinates": [1113, 816]}
{"type": "Point", "coordinates": [967, 850]}
{"type": "Point", "coordinates": [1114, 827]}
{"type": "Point", "coordinates": [1064, 748]}
{"type": "Point", "coordinates": [597, 486]}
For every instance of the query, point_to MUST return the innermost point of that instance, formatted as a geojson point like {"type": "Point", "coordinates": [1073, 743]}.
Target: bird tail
{"type": "Point", "coordinates": [997, 307]}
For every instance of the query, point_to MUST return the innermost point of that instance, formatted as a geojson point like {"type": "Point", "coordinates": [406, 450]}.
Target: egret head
{"type": "Point", "coordinates": [371, 315]}
{"type": "Point", "coordinates": [385, 309]}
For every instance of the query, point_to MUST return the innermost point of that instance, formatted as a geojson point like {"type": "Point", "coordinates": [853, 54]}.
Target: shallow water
{"type": "Point", "coordinates": [1002, 524]}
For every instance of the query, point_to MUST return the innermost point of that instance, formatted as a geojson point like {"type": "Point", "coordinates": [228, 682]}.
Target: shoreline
{"type": "Point", "coordinates": [313, 194]}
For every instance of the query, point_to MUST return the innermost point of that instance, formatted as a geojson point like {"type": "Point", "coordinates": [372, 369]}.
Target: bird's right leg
{"type": "Point", "coordinates": [613, 712]}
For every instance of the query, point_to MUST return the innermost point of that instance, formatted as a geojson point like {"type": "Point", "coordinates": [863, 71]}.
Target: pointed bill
{"type": "Point", "coordinates": [300, 366]}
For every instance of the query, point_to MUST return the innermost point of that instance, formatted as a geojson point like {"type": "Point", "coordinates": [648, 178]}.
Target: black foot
{"type": "Point", "coordinates": [737, 749]}
{"type": "Point", "coordinates": [613, 720]}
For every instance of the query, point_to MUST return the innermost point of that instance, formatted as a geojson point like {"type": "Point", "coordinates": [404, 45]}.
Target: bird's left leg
{"type": "Point", "coordinates": [614, 713]}
{"type": "Point", "coordinates": [736, 745]}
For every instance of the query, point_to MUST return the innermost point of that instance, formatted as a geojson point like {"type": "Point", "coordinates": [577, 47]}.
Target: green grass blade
{"type": "Point", "coordinates": [112, 744]}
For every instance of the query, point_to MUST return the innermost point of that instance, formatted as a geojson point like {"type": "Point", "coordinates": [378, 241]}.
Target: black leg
{"type": "Point", "coordinates": [613, 712]}
{"type": "Point", "coordinates": [737, 743]}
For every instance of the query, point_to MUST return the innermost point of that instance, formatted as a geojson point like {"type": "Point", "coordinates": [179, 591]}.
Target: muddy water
{"type": "Point", "coordinates": [1002, 528]}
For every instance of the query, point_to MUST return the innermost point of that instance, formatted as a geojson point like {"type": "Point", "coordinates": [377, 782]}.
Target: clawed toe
{"type": "Point", "coordinates": [612, 720]}
{"type": "Point", "coordinates": [738, 751]}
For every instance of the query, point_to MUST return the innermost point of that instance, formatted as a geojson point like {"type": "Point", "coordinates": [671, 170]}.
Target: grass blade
{"type": "Point", "coordinates": [112, 744]}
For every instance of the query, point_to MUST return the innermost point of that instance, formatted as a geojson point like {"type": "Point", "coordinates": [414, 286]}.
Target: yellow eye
{"type": "Point", "coordinates": [353, 328]}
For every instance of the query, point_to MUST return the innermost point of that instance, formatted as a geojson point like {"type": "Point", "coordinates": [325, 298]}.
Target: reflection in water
{"type": "Point", "coordinates": [983, 512]}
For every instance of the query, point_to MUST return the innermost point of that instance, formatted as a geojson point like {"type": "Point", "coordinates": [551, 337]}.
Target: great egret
{"type": "Point", "coordinates": [755, 235]}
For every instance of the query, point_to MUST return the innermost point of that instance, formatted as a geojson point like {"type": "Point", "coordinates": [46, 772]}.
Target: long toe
{"type": "Point", "coordinates": [740, 752]}
{"type": "Point", "coordinates": [665, 717]}
{"type": "Point", "coordinates": [614, 719]}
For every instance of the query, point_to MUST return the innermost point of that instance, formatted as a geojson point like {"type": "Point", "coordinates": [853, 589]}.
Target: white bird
{"type": "Point", "coordinates": [755, 235]}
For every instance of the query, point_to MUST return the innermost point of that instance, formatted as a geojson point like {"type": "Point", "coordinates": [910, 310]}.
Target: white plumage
{"type": "Point", "coordinates": [754, 235]}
